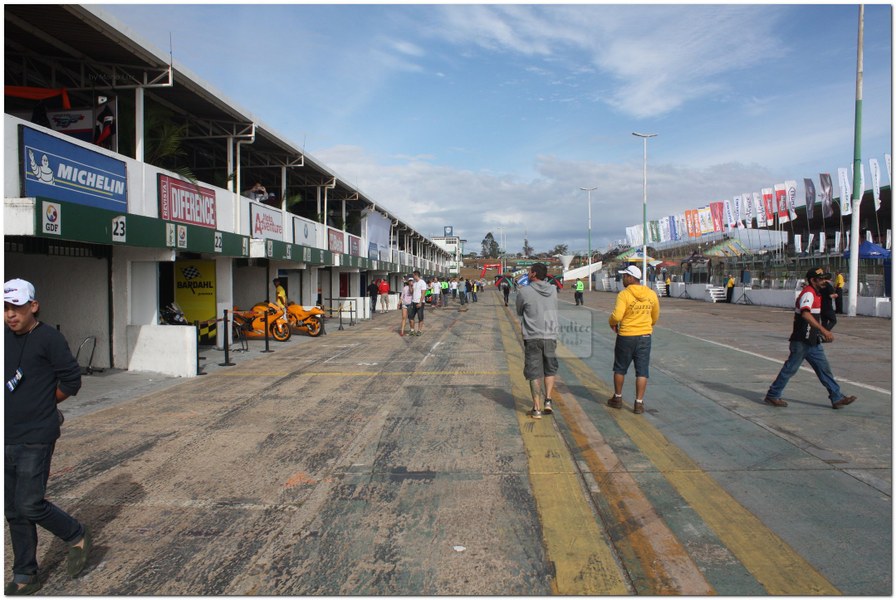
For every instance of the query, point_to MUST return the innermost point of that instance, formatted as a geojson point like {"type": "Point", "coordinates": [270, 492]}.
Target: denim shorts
{"type": "Point", "coordinates": [632, 348]}
{"type": "Point", "coordinates": [541, 359]}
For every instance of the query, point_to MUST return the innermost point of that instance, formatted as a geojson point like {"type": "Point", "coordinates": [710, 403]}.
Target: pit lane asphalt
{"type": "Point", "coordinates": [366, 463]}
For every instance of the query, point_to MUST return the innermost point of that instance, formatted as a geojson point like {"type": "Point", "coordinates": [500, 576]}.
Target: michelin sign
{"type": "Point", "coordinates": [57, 169]}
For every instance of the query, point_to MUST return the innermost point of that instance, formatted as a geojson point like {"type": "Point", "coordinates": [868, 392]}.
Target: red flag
{"type": "Point", "coordinates": [781, 202]}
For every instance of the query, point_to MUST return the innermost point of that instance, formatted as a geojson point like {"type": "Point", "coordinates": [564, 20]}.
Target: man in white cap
{"type": "Point", "coordinates": [40, 372]}
{"type": "Point", "coordinates": [636, 312]}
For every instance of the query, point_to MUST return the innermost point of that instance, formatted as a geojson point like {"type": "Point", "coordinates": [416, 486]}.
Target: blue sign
{"type": "Point", "coordinates": [57, 169]}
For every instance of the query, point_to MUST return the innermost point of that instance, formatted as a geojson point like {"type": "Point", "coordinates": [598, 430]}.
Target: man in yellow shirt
{"type": "Point", "coordinates": [636, 312]}
{"type": "Point", "coordinates": [839, 282]}
{"type": "Point", "coordinates": [280, 293]}
{"type": "Point", "coordinates": [580, 292]}
{"type": "Point", "coordinates": [729, 292]}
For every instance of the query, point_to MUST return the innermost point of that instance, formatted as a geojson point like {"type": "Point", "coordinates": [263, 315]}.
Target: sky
{"type": "Point", "coordinates": [491, 118]}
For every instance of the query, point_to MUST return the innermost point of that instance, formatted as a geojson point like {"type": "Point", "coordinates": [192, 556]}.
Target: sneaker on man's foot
{"type": "Point", "coordinates": [639, 408]}
{"type": "Point", "coordinates": [535, 414]}
{"type": "Point", "coordinates": [615, 402]}
{"type": "Point", "coordinates": [77, 555]}
{"type": "Point", "coordinates": [24, 589]}
{"type": "Point", "coordinates": [775, 402]}
{"type": "Point", "coordinates": [548, 406]}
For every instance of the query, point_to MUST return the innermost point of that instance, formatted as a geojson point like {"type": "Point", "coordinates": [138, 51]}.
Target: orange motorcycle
{"type": "Point", "coordinates": [308, 319]}
{"type": "Point", "coordinates": [251, 323]}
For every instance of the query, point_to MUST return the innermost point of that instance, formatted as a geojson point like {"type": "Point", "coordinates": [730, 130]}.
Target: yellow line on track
{"type": "Point", "coordinates": [583, 561]}
{"type": "Point", "coordinates": [351, 373]}
{"type": "Point", "coordinates": [774, 564]}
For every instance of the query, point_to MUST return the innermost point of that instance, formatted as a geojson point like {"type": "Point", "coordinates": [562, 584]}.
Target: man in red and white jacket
{"type": "Point", "coordinates": [805, 344]}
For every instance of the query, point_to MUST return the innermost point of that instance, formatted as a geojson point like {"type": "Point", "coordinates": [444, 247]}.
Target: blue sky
{"type": "Point", "coordinates": [493, 116]}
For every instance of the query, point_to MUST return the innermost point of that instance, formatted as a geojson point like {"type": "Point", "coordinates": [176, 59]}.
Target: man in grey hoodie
{"type": "Point", "coordinates": [536, 304]}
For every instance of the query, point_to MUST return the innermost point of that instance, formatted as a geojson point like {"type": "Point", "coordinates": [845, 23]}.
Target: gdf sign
{"type": "Point", "coordinates": [52, 218]}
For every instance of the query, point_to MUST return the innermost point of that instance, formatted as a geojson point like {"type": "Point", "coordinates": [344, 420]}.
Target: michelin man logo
{"type": "Point", "coordinates": [43, 172]}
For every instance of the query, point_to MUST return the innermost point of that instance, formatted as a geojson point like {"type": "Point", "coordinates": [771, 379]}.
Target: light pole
{"type": "Point", "coordinates": [589, 190]}
{"type": "Point", "coordinates": [644, 136]}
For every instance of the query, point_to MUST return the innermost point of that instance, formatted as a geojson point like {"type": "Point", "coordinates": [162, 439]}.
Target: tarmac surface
{"type": "Point", "coordinates": [365, 463]}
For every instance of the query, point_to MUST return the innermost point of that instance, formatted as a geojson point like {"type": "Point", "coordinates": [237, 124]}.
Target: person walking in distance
{"type": "Point", "coordinates": [417, 303]}
{"type": "Point", "coordinates": [406, 298]}
{"type": "Point", "coordinates": [436, 289]}
{"type": "Point", "coordinates": [839, 283]}
{"type": "Point", "coordinates": [580, 292]}
{"type": "Point", "coordinates": [636, 312]}
{"type": "Point", "coordinates": [805, 344]}
{"type": "Point", "coordinates": [40, 373]}
{"type": "Point", "coordinates": [383, 289]}
{"type": "Point", "coordinates": [505, 289]}
{"type": "Point", "coordinates": [373, 291]}
{"type": "Point", "coordinates": [536, 304]}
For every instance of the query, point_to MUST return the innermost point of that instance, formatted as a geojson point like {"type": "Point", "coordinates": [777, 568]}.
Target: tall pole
{"type": "Point", "coordinates": [589, 190]}
{"type": "Point", "coordinates": [854, 220]}
{"type": "Point", "coordinates": [644, 136]}
{"type": "Point", "coordinates": [501, 248]}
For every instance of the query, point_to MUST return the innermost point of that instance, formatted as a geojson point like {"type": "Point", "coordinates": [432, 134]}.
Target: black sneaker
{"type": "Point", "coordinates": [548, 406]}
{"type": "Point", "coordinates": [77, 556]}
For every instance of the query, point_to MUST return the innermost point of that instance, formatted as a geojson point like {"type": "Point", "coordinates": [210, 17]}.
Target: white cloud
{"type": "Point", "coordinates": [659, 58]}
{"type": "Point", "coordinates": [549, 208]}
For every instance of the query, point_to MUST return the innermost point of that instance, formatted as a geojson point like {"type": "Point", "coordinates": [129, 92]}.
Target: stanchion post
{"type": "Point", "coordinates": [198, 367]}
{"type": "Point", "coordinates": [267, 327]}
{"type": "Point", "coordinates": [226, 362]}
{"type": "Point", "coordinates": [340, 317]}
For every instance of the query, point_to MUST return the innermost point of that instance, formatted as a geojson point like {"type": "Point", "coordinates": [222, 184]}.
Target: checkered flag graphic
{"type": "Point", "coordinates": [190, 273]}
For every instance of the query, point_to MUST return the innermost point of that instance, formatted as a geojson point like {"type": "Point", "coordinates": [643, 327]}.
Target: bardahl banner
{"type": "Point", "coordinates": [194, 290]}
{"type": "Point", "coordinates": [57, 169]}
{"type": "Point", "coordinates": [187, 203]}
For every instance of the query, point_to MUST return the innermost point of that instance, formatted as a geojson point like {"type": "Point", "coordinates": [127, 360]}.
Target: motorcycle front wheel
{"type": "Point", "coordinates": [314, 327]}
{"type": "Point", "coordinates": [280, 331]}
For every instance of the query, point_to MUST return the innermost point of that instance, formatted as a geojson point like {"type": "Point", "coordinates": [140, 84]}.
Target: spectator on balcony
{"type": "Point", "coordinates": [257, 192]}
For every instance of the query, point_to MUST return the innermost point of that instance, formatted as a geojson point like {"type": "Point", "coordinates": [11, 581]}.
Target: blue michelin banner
{"type": "Point", "coordinates": [54, 168]}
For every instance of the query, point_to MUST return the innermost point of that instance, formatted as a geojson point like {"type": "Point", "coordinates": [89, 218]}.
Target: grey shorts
{"type": "Point", "coordinates": [540, 359]}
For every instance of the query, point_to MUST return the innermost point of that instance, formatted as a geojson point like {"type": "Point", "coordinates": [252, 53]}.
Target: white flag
{"type": "Point", "coordinates": [868, 236]}
{"type": "Point", "coordinates": [798, 242]}
{"type": "Point", "coordinates": [791, 198]}
{"type": "Point", "coordinates": [845, 195]}
{"type": "Point", "coordinates": [889, 231]}
{"type": "Point", "coordinates": [875, 181]}
{"type": "Point", "coordinates": [729, 215]}
{"type": "Point", "coordinates": [760, 211]}
{"type": "Point", "coordinates": [809, 243]}
{"type": "Point", "coordinates": [821, 242]}
{"type": "Point", "coordinates": [837, 241]}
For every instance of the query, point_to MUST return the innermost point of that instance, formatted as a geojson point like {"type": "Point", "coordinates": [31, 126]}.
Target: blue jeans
{"type": "Point", "coordinates": [816, 358]}
{"type": "Point", "coordinates": [26, 470]}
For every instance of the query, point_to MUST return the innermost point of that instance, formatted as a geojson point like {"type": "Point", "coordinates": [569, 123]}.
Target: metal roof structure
{"type": "Point", "coordinates": [89, 53]}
